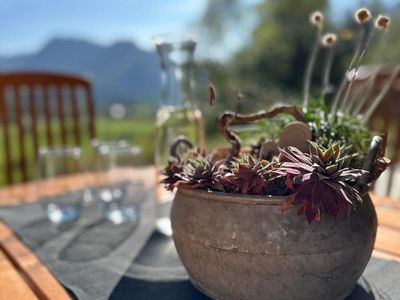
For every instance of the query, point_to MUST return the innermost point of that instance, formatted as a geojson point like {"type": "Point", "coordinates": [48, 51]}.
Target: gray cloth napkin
{"type": "Point", "coordinates": [90, 256]}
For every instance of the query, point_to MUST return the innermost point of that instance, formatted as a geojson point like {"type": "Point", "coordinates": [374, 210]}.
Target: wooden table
{"type": "Point", "coordinates": [23, 276]}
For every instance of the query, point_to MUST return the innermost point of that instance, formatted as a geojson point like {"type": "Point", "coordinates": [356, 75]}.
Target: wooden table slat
{"type": "Point", "coordinates": [388, 202]}
{"type": "Point", "coordinates": [388, 217]}
{"type": "Point", "coordinates": [42, 282]}
{"type": "Point", "coordinates": [388, 240]}
{"type": "Point", "coordinates": [12, 285]}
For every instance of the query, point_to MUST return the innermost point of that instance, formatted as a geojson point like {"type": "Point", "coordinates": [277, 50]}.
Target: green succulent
{"type": "Point", "coordinates": [348, 131]}
{"type": "Point", "coordinates": [192, 170]}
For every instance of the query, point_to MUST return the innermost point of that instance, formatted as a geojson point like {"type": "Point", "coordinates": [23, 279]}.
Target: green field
{"type": "Point", "coordinates": [136, 131]}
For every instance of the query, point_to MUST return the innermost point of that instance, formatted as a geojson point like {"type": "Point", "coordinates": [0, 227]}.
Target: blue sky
{"type": "Point", "coordinates": [25, 25]}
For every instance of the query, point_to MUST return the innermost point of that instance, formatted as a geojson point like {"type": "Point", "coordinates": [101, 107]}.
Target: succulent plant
{"type": "Point", "coordinates": [200, 172]}
{"type": "Point", "coordinates": [172, 172]}
{"type": "Point", "coordinates": [193, 170]}
{"type": "Point", "coordinates": [321, 179]}
{"type": "Point", "coordinates": [245, 175]}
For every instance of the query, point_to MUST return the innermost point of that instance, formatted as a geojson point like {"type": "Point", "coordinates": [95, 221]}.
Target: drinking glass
{"type": "Point", "coordinates": [119, 190]}
{"type": "Point", "coordinates": [56, 186]}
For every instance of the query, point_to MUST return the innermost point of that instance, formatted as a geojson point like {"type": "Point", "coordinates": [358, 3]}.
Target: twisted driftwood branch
{"type": "Point", "coordinates": [181, 140]}
{"type": "Point", "coordinates": [229, 118]}
{"type": "Point", "coordinates": [375, 162]}
{"type": "Point", "coordinates": [379, 161]}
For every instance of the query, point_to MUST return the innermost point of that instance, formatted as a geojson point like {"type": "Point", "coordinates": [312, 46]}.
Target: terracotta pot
{"type": "Point", "coordinates": [243, 247]}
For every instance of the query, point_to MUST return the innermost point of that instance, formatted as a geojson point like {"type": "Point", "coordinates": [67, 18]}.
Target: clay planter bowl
{"type": "Point", "coordinates": [243, 247]}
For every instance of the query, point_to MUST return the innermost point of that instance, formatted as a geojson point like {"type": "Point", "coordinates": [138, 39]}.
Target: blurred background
{"type": "Point", "coordinates": [256, 47]}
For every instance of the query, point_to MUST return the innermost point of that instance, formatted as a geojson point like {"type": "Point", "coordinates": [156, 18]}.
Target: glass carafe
{"type": "Point", "coordinates": [177, 115]}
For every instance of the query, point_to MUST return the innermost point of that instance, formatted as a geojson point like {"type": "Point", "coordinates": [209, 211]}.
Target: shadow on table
{"type": "Point", "coordinates": [46, 229]}
{"type": "Point", "coordinates": [361, 292]}
{"type": "Point", "coordinates": [90, 243]}
{"type": "Point", "coordinates": [159, 264]}
{"type": "Point", "coordinates": [130, 288]}
{"type": "Point", "coordinates": [156, 273]}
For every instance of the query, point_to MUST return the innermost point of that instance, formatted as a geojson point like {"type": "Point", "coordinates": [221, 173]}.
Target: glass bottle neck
{"type": "Point", "coordinates": [177, 63]}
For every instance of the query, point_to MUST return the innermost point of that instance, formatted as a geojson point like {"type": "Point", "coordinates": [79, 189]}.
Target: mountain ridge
{"type": "Point", "coordinates": [119, 72]}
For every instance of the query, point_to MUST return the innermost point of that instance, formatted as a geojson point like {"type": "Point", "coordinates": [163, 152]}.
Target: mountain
{"type": "Point", "coordinates": [119, 72]}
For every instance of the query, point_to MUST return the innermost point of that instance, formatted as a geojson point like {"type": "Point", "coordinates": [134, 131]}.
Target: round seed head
{"type": "Point", "coordinates": [317, 18]}
{"type": "Point", "coordinates": [382, 22]}
{"type": "Point", "coordinates": [328, 40]}
{"type": "Point", "coordinates": [362, 15]}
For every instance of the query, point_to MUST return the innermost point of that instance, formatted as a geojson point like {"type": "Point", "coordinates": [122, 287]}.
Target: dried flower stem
{"type": "Point", "coordinates": [343, 83]}
{"type": "Point", "coordinates": [337, 97]}
{"type": "Point", "coordinates": [369, 85]}
{"type": "Point", "coordinates": [381, 95]}
{"type": "Point", "coordinates": [310, 67]}
{"type": "Point", "coordinates": [239, 99]}
{"type": "Point", "coordinates": [211, 95]}
{"type": "Point", "coordinates": [380, 23]}
{"type": "Point", "coordinates": [359, 91]}
{"type": "Point", "coordinates": [345, 105]}
{"type": "Point", "coordinates": [327, 70]}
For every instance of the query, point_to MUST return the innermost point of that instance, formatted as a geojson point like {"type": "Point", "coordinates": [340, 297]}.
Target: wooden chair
{"type": "Point", "coordinates": [386, 118]}
{"type": "Point", "coordinates": [29, 101]}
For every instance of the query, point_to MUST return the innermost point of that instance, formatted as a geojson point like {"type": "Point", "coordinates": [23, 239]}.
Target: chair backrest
{"type": "Point", "coordinates": [31, 103]}
{"type": "Point", "coordinates": [386, 118]}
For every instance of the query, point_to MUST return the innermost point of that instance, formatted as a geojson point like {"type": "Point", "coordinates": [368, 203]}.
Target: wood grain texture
{"type": "Point", "coordinates": [12, 285]}
{"type": "Point", "coordinates": [91, 112]}
{"type": "Point", "coordinates": [21, 132]}
{"type": "Point", "coordinates": [47, 114]}
{"type": "Point", "coordinates": [61, 115]}
{"type": "Point", "coordinates": [388, 217]}
{"type": "Point", "coordinates": [75, 115]}
{"type": "Point", "coordinates": [388, 240]}
{"type": "Point", "coordinates": [388, 202]}
{"type": "Point", "coordinates": [4, 119]}
{"type": "Point", "coordinates": [33, 116]}
{"type": "Point", "coordinates": [41, 281]}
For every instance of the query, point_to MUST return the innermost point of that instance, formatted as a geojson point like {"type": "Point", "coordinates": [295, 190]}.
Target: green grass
{"type": "Point", "coordinates": [135, 131]}
{"type": "Point", "coordinates": [140, 132]}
